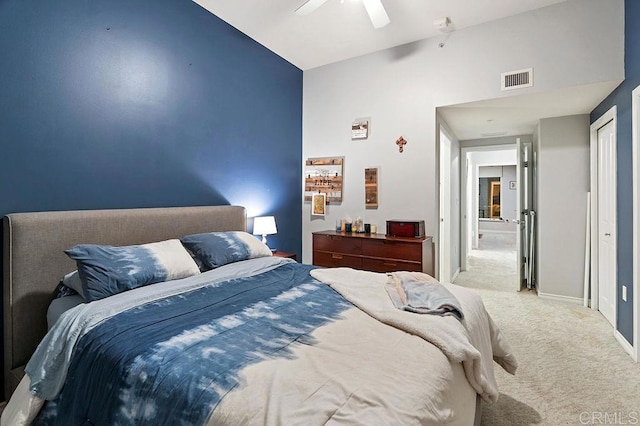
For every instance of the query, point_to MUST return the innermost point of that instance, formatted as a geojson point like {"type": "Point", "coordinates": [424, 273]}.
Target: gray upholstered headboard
{"type": "Point", "coordinates": [34, 259]}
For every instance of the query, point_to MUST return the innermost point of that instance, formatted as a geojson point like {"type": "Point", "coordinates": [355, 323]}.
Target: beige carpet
{"type": "Point", "coordinates": [572, 370]}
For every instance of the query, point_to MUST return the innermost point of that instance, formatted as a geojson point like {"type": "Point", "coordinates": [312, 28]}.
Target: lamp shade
{"type": "Point", "coordinates": [264, 225]}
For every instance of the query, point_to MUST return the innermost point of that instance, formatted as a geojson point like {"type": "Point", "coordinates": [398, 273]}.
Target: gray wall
{"type": "Point", "coordinates": [571, 43]}
{"type": "Point", "coordinates": [563, 183]}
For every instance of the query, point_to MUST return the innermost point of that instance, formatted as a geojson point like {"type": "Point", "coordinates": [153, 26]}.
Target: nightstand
{"type": "Point", "coordinates": [285, 254]}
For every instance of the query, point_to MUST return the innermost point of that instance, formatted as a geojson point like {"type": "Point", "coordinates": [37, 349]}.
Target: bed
{"type": "Point", "coordinates": [317, 345]}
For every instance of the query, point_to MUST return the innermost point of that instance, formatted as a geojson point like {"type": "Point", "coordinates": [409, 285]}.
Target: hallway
{"type": "Point", "coordinates": [492, 266]}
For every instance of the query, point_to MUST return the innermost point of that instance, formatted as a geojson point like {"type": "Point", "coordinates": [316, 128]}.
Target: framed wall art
{"type": "Point", "coordinates": [360, 129]}
{"type": "Point", "coordinates": [324, 176]}
{"type": "Point", "coordinates": [371, 188]}
{"type": "Point", "coordinates": [318, 203]}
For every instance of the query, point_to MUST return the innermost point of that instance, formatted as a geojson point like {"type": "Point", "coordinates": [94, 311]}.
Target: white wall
{"type": "Point", "coordinates": [571, 43]}
{"type": "Point", "coordinates": [563, 183]}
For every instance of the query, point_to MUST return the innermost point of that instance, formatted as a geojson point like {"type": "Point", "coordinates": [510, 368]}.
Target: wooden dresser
{"type": "Point", "coordinates": [372, 252]}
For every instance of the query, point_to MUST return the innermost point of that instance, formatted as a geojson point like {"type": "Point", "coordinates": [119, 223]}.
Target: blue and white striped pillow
{"type": "Point", "coordinates": [108, 270]}
{"type": "Point", "coordinates": [215, 249]}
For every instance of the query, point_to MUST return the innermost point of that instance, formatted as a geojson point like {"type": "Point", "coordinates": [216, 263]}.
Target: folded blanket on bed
{"type": "Point", "coordinates": [422, 294]}
{"type": "Point", "coordinates": [474, 341]}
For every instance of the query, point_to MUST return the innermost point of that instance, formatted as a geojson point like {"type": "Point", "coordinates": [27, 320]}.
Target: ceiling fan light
{"type": "Point", "coordinates": [377, 14]}
{"type": "Point", "coordinates": [309, 6]}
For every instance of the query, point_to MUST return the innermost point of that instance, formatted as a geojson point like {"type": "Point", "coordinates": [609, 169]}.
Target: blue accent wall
{"type": "Point", "coordinates": [139, 103]}
{"type": "Point", "coordinates": [622, 98]}
{"type": "Point", "coordinates": [143, 103]}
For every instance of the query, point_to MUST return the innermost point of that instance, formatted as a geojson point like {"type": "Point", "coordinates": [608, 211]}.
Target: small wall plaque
{"type": "Point", "coordinates": [371, 188]}
{"type": "Point", "coordinates": [360, 129]}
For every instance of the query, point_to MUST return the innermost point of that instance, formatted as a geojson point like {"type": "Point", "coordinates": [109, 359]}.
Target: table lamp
{"type": "Point", "coordinates": [264, 225]}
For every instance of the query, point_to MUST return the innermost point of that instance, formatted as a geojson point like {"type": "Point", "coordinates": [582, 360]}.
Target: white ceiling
{"type": "Point", "coordinates": [341, 29]}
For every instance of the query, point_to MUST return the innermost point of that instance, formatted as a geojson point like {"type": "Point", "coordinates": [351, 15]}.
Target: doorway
{"type": "Point", "coordinates": [489, 216]}
{"type": "Point", "coordinates": [603, 216]}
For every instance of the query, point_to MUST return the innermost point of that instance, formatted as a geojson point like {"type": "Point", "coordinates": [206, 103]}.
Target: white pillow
{"type": "Point", "coordinates": [72, 280]}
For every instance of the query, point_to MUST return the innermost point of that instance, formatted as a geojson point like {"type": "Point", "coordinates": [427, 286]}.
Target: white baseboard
{"type": "Point", "coordinates": [628, 348]}
{"type": "Point", "coordinates": [455, 275]}
{"type": "Point", "coordinates": [495, 231]}
{"type": "Point", "coordinates": [559, 298]}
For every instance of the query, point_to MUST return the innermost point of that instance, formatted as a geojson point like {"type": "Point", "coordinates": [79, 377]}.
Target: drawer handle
{"type": "Point", "coordinates": [336, 256]}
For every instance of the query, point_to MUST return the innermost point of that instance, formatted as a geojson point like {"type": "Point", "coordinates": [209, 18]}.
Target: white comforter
{"type": "Point", "coordinates": [422, 370]}
{"type": "Point", "coordinates": [474, 342]}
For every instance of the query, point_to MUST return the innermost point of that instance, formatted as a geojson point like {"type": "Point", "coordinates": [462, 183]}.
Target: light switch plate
{"type": "Point", "coordinates": [624, 293]}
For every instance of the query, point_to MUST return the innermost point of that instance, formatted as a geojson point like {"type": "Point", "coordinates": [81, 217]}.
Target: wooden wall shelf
{"type": "Point", "coordinates": [324, 175]}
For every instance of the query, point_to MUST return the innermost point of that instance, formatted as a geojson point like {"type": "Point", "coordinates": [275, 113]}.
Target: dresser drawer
{"type": "Point", "coordinates": [388, 265]}
{"type": "Point", "coordinates": [392, 249]}
{"type": "Point", "coordinates": [333, 260]}
{"type": "Point", "coordinates": [338, 244]}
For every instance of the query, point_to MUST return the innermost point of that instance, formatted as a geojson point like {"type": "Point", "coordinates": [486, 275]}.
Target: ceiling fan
{"type": "Point", "coordinates": [375, 9]}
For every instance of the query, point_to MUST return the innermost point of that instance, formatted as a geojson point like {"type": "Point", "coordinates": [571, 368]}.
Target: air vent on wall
{"type": "Point", "coordinates": [517, 79]}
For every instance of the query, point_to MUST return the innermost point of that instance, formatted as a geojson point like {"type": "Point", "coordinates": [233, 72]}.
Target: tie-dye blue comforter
{"type": "Point", "coordinates": [172, 360]}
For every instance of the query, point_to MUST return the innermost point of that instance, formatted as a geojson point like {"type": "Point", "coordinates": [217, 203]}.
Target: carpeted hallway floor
{"type": "Point", "coordinates": [571, 371]}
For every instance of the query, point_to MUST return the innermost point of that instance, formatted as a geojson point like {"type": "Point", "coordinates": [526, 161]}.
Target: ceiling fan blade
{"type": "Point", "coordinates": [309, 6]}
{"type": "Point", "coordinates": [377, 14]}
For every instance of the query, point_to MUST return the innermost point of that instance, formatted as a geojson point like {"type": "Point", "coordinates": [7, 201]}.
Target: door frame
{"type": "Point", "coordinates": [465, 202]}
{"type": "Point", "coordinates": [524, 187]}
{"type": "Point", "coordinates": [610, 115]}
{"type": "Point", "coordinates": [635, 96]}
{"type": "Point", "coordinates": [444, 226]}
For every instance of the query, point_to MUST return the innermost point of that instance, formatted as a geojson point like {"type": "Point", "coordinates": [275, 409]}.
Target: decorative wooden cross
{"type": "Point", "coordinates": [401, 142]}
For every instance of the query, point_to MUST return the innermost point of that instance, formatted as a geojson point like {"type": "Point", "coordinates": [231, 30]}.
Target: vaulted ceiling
{"type": "Point", "coordinates": [341, 29]}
